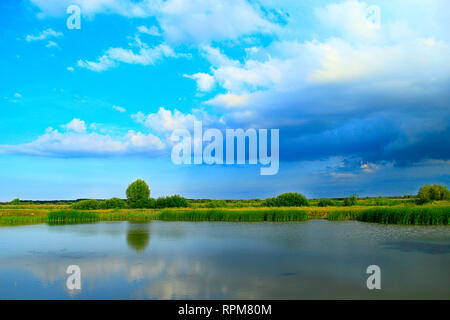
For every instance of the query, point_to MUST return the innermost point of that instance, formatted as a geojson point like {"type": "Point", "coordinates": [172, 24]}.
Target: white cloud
{"type": "Point", "coordinates": [152, 31]}
{"type": "Point", "coordinates": [48, 33]}
{"type": "Point", "coordinates": [355, 19]}
{"type": "Point", "coordinates": [82, 144]}
{"type": "Point", "coordinates": [203, 21]}
{"type": "Point", "coordinates": [145, 56]}
{"type": "Point", "coordinates": [217, 58]}
{"type": "Point", "coordinates": [51, 44]}
{"type": "Point", "coordinates": [205, 82]}
{"type": "Point", "coordinates": [185, 21]}
{"type": "Point", "coordinates": [71, 69]}
{"type": "Point", "coordinates": [75, 125]}
{"type": "Point", "coordinates": [120, 109]}
{"type": "Point", "coordinates": [127, 8]}
{"type": "Point", "coordinates": [165, 121]}
{"type": "Point", "coordinates": [17, 95]}
{"type": "Point", "coordinates": [229, 100]}
{"type": "Point", "coordinates": [103, 63]}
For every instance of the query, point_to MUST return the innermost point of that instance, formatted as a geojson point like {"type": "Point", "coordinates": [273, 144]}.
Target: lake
{"type": "Point", "coordinates": [315, 259]}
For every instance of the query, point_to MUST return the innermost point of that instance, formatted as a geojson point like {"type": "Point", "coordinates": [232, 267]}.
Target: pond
{"type": "Point", "coordinates": [316, 259]}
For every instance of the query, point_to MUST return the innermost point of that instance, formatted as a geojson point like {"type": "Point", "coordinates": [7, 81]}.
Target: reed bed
{"type": "Point", "coordinates": [407, 215]}
{"type": "Point", "coordinates": [229, 215]}
{"type": "Point", "coordinates": [431, 215]}
{"type": "Point", "coordinates": [72, 216]}
{"type": "Point", "coordinates": [129, 215]}
{"type": "Point", "coordinates": [22, 220]}
{"type": "Point", "coordinates": [344, 215]}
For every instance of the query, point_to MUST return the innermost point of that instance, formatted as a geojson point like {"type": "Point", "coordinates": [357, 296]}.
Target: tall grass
{"type": "Point", "coordinates": [129, 215]}
{"type": "Point", "coordinates": [71, 216]}
{"type": "Point", "coordinates": [21, 220]}
{"type": "Point", "coordinates": [342, 215]}
{"type": "Point", "coordinates": [396, 215]}
{"type": "Point", "coordinates": [244, 215]}
{"type": "Point", "coordinates": [406, 215]}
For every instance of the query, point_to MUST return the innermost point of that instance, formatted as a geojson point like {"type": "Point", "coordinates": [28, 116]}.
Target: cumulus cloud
{"type": "Point", "coordinates": [165, 121]}
{"type": "Point", "coordinates": [229, 100]}
{"type": "Point", "coordinates": [152, 31]}
{"type": "Point", "coordinates": [354, 19]}
{"type": "Point", "coordinates": [76, 142]}
{"type": "Point", "coordinates": [214, 20]}
{"type": "Point", "coordinates": [372, 81]}
{"type": "Point", "coordinates": [75, 125]}
{"type": "Point", "coordinates": [205, 82]}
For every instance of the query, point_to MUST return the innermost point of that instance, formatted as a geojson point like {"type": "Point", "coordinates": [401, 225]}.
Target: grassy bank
{"type": "Point", "coordinates": [71, 216]}
{"type": "Point", "coordinates": [236, 215]}
{"type": "Point", "coordinates": [430, 214]}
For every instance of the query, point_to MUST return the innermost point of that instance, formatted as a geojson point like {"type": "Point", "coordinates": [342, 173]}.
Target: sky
{"type": "Point", "coordinates": [359, 91]}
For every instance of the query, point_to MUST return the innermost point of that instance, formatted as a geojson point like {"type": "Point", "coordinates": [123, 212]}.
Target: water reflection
{"type": "Point", "coordinates": [138, 236]}
{"type": "Point", "coordinates": [209, 260]}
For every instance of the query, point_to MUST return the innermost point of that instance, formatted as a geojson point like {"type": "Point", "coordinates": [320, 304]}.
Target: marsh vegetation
{"type": "Point", "coordinates": [431, 206]}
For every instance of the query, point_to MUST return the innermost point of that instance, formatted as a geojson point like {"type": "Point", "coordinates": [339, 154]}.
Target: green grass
{"type": "Point", "coordinates": [71, 216]}
{"type": "Point", "coordinates": [343, 215]}
{"type": "Point", "coordinates": [246, 215]}
{"type": "Point", "coordinates": [407, 215]}
{"type": "Point", "coordinates": [396, 215]}
{"type": "Point", "coordinates": [21, 220]}
{"type": "Point", "coordinates": [430, 214]}
{"type": "Point", "coordinates": [129, 215]}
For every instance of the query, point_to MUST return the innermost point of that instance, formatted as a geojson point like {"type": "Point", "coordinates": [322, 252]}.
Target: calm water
{"type": "Point", "coordinates": [202, 260]}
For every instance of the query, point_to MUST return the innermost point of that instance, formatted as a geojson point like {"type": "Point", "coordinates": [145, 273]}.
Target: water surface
{"type": "Point", "coordinates": [315, 259]}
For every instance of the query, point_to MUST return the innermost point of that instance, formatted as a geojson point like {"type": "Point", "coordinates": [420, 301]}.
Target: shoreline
{"type": "Point", "coordinates": [432, 214]}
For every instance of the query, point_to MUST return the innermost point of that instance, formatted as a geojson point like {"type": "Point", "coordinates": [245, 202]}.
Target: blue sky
{"type": "Point", "coordinates": [358, 89]}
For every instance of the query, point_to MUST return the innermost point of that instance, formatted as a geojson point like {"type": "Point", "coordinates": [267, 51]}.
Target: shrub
{"type": "Point", "coordinates": [86, 205]}
{"type": "Point", "coordinates": [175, 201]}
{"type": "Point", "coordinates": [290, 199]}
{"type": "Point", "coordinates": [326, 203]}
{"type": "Point", "coordinates": [15, 202]}
{"type": "Point", "coordinates": [350, 201]}
{"type": "Point", "coordinates": [113, 203]}
{"type": "Point", "coordinates": [429, 193]}
{"type": "Point", "coordinates": [138, 194]}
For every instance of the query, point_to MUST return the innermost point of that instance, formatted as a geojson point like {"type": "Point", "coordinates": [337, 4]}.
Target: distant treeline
{"type": "Point", "coordinates": [138, 196]}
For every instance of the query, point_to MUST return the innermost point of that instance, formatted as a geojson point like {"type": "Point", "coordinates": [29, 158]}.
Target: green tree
{"type": "Point", "coordinates": [15, 202]}
{"type": "Point", "coordinates": [350, 201]}
{"type": "Point", "coordinates": [138, 194]}
{"type": "Point", "coordinates": [428, 193]}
